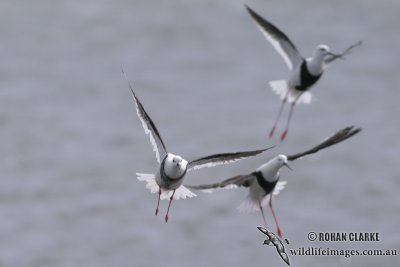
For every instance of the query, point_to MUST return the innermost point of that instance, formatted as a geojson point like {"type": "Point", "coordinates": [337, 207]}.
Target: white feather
{"type": "Point", "coordinates": [216, 163]}
{"type": "Point", "coordinates": [150, 179]}
{"type": "Point", "coordinates": [279, 187]}
{"type": "Point", "coordinates": [146, 122]}
{"type": "Point", "coordinates": [150, 133]}
{"type": "Point", "coordinates": [278, 47]}
{"type": "Point", "coordinates": [180, 193]}
{"type": "Point", "coordinates": [208, 191]}
{"type": "Point", "coordinates": [281, 88]}
{"type": "Point", "coordinates": [305, 98]}
{"type": "Point", "coordinates": [248, 205]}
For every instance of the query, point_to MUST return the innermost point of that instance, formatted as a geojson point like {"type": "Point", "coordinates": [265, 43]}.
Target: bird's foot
{"type": "Point", "coordinates": [283, 135]}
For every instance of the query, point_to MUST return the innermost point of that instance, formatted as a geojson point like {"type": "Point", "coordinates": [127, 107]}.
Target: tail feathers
{"type": "Point", "coordinates": [281, 88]}
{"type": "Point", "coordinates": [279, 187]}
{"type": "Point", "coordinates": [249, 205]}
{"type": "Point", "coordinates": [305, 98]}
{"type": "Point", "coordinates": [180, 193]}
{"type": "Point", "coordinates": [150, 179]}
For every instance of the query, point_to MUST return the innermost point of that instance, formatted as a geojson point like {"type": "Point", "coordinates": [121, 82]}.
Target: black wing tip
{"type": "Point", "coordinates": [271, 147]}
{"type": "Point", "coordinates": [262, 229]}
{"type": "Point", "coordinates": [345, 133]}
{"type": "Point", "coordinates": [129, 82]}
{"type": "Point", "coordinates": [124, 73]}
{"type": "Point", "coordinates": [247, 7]}
{"type": "Point", "coordinates": [335, 138]}
{"type": "Point", "coordinates": [255, 152]}
{"type": "Point", "coordinates": [252, 12]}
{"type": "Point", "coordinates": [251, 153]}
{"type": "Point", "coordinates": [348, 132]}
{"type": "Point", "coordinates": [248, 153]}
{"type": "Point", "coordinates": [265, 149]}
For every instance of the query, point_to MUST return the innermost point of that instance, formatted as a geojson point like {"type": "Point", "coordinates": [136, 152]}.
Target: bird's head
{"type": "Point", "coordinates": [322, 51]}
{"type": "Point", "coordinates": [282, 161]}
{"type": "Point", "coordinates": [270, 170]}
{"type": "Point", "coordinates": [175, 166]}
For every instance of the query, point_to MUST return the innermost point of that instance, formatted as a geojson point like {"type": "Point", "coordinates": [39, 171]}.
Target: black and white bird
{"type": "Point", "coordinates": [265, 182]}
{"type": "Point", "coordinates": [167, 181]}
{"type": "Point", "coordinates": [275, 241]}
{"type": "Point", "coordinates": [304, 72]}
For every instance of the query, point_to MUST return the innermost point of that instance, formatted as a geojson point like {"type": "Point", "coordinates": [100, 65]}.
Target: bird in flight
{"type": "Point", "coordinates": [264, 182]}
{"type": "Point", "coordinates": [167, 181]}
{"type": "Point", "coordinates": [273, 240]}
{"type": "Point", "coordinates": [304, 72]}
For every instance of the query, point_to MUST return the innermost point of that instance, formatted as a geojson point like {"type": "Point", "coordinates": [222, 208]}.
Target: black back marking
{"type": "Point", "coordinates": [267, 186]}
{"type": "Point", "coordinates": [306, 78]}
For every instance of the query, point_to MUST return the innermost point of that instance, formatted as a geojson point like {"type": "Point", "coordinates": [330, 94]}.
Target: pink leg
{"type": "Point", "coordinates": [169, 205]}
{"type": "Point", "coordinates": [262, 213]}
{"type": "Point", "coordinates": [279, 231]}
{"type": "Point", "coordinates": [158, 202]}
{"type": "Point", "coordinates": [271, 133]}
{"type": "Point", "coordinates": [283, 135]}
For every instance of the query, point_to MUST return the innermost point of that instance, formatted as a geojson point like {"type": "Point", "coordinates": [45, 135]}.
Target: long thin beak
{"type": "Point", "coordinates": [287, 165]}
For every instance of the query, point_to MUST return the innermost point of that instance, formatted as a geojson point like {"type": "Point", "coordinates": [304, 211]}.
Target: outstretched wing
{"type": "Point", "coordinates": [345, 52]}
{"type": "Point", "coordinates": [224, 158]}
{"type": "Point", "coordinates": [277, 242]}
{"type": "Point", "coordinates": [148, 126]}
{"type": "Point", "coordinates": [278, 39]}
{"type": "Point", "coordinates": [239, 180]}
{"type": "Point", "coordinates": [336, 138]}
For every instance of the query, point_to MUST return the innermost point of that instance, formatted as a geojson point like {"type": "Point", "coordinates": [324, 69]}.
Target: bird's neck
{"type": "Point", "coordinates": [270, 172]}
{"type": "Point", "coordinates": [315, 65]}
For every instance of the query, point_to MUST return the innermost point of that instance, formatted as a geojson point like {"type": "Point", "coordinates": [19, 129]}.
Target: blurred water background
{"type": "Point", "coordinates": [71, 142]}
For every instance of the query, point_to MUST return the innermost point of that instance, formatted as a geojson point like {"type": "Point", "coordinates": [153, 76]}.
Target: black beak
{"type": "Point", "coordinates": [287, 166]}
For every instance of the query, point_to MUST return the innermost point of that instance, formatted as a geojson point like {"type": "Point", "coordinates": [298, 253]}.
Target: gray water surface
{"type": "Point", "coordinates": [71, 142]}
